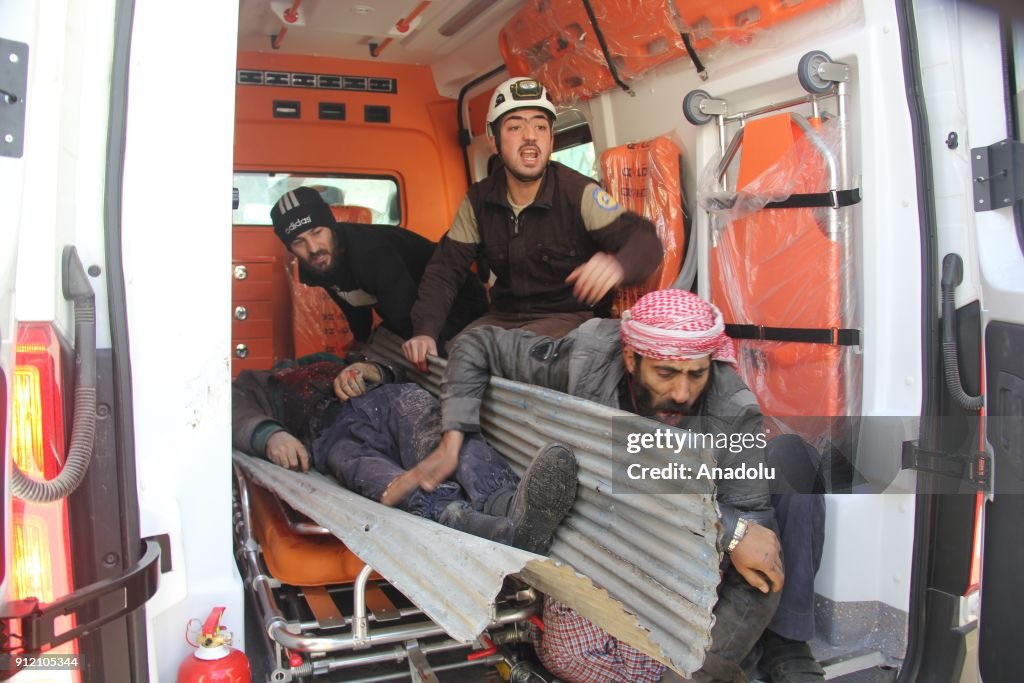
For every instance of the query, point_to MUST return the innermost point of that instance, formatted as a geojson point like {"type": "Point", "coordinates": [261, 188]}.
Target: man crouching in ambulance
{"type": "Point", "coordinates": [668, 358]}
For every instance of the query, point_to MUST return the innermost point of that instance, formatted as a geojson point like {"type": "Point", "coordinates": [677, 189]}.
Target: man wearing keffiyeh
{"type": "Point", "coordinates": [668, 358]}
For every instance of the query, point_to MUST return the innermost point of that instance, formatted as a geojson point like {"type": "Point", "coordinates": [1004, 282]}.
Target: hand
{"type": "Point", "coordinates": [351, 381]}
{"type": "Point", "coordinates": [758, 559]}
{"type": "Point", "coordinates": [430, 472]}
{"type": "Point", "coordinates": [417, 349]}
{"type": "Point", "coordinates": [285, 450]}
{"type": "Point", "coordinates": [596, 277]}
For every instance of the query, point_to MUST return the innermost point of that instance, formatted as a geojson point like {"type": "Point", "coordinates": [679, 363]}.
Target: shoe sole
{"type": "Point", "coordinates": [545, 495]}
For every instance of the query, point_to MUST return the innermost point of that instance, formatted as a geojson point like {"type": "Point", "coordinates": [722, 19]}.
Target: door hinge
{"type": "Point", "coordinates": [13, 89]}
{"type": "Point", "coordinates": [973, 469]}
{"type": "Point", "coordinates": [998, 172]}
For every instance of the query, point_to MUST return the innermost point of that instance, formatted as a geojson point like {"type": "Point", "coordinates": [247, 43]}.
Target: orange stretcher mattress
{"type": "Point", "coordinates": [298, 559]}
{"type": "Point", "coordinates": [778, 268]}
{"type": "Point", "coordinates": [645, 177]}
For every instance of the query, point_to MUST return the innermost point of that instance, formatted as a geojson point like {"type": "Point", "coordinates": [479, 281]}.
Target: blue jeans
{"type": "Point", "coordinates": [376, 437]}
{"type": "Point", "coordinates": [799, 502]}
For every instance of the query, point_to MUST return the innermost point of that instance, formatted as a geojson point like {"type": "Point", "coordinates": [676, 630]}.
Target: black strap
{"type": "Point", "coordinates": [697, 64]}
{"type": "Point", "coordinates": [832, 336]}
{"type": "Point", "coordinates": [833, 199]}
{"type": "Point", "coordinates": [604, 46]}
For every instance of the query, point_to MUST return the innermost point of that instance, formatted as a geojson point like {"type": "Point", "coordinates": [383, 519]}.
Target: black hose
{"type": "Point", "coordinates": [953, 275]}
{"type": "Point", "coordinates": [83, 429]}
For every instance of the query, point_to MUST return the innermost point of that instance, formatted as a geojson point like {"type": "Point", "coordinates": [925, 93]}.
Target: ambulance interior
{"type": "Point", "coordinates": [705, 116]}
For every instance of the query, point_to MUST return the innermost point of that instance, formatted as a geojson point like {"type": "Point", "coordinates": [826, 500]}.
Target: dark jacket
{"type": "Point", "coordinates": [588, 363]}
{"type": "Point", "coordinates": [297, 398]}
{"type": "Point", "coordinates": [380, 270]}
{"type": "Point", "coordinates": [531, 254]}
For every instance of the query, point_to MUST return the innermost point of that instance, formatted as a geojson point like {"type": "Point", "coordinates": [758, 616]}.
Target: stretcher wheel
{"type": "Point", "coordinates": [691, 107]}
{"type": "Point", "coordinates": [807, 72]}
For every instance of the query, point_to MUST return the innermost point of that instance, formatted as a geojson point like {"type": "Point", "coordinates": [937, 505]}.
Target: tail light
{"type": "Point", "coordinates": [40, 565]}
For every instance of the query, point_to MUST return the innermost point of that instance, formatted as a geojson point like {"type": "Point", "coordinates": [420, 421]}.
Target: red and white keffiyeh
{"type": "Point", "coordinates": [673, 324]}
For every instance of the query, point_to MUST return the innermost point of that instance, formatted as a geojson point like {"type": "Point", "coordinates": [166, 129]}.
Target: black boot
{"type": "Point", "coordinates": [789, 661]}
{"type": "Point", "coordinates": [543, 498]}
{"type": "Point", "coordinates": [460, 516]}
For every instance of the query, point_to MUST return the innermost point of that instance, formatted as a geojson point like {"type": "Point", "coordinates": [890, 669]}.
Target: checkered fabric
{"type": "Point", "coordinates": [673, 324]}
{"type": "Point", "coordinates": [577, 651]}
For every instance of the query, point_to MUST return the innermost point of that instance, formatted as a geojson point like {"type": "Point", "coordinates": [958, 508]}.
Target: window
{"type": "Point", "coordinates": [258, 192]}
{"type": "Point", "coordinates": [579, 158]}
{"type": "Point", "coordinates": [574, 144]}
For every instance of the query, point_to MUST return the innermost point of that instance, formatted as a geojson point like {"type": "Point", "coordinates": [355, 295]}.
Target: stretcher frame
{"type": "Point", "coordinates": [824, 80]}
{"type": "Point", "coordinates": [365, 641]}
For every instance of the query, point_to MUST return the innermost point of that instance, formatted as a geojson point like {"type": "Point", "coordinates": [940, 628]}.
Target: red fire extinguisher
{"type": "Point", "coordinates": [214, 661]}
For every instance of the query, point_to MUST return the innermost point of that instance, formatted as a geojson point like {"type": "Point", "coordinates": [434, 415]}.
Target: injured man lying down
{"type": "Point", "coordinates": [350, 420]}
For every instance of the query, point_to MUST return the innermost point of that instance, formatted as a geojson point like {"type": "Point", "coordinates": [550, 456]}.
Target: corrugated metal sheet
{"type": "Point", "coordinates": [655, 553]}
{"type": "Point", "coordinates": [453, 577]}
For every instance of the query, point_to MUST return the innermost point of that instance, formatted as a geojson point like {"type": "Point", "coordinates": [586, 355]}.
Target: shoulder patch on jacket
{"type": "Point", "coordinates": [605, 200]}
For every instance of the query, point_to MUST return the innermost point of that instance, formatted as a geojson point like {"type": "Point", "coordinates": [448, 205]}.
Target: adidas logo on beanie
{"type": "Point", "coordinates": [297, 211]}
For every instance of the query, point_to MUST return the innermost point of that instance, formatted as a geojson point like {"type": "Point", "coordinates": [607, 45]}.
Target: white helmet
{"type": "Point", "coordinates": [517, 93]}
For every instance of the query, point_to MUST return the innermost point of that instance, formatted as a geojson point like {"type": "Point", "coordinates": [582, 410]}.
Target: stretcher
{"type": "Point", "coordinates": [644, 567]}
{"type": "Point", "coordinates": [324, 611]}
{"type": "Point", "coordinates": [781, 250]}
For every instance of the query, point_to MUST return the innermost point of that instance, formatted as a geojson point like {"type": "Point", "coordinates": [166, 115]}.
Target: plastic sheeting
{"type": "Point", "coordinates": [785, 268]}
{"type": "Point", "coordinates": [721, 23]}
{"type": "Point", "coordinates": [555, 42]}
{"type": "Point", "coordinates": [645, 177]}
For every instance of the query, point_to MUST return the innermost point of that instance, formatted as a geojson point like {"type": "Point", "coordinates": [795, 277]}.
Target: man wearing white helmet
{"type": "Point", "coordinates": [557, 243]}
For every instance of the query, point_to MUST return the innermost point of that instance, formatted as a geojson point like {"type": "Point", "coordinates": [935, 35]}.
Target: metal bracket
{"type": "Point", "coordinates": [13, 89]}
{"type": "Point", "coordinates": [38, 623]}
{"type": "Point", "coordinates": [714, 107]}
{"type": "Point", "coordinates": [835, 72]}
{"type": "Point", "coordinates": [973, 469]}
{"type": "Point", "coordinates": [419, 668]}
{"type": "Point", "coordinates": [998, 172]}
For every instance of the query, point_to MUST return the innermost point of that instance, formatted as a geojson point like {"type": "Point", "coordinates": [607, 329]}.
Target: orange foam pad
{"type": "Point", "coordinates": [644, 177]}
{"type": "Point", "coordinates": [776, 268]}
{"type": "Point", "coordinates": [298, 559]}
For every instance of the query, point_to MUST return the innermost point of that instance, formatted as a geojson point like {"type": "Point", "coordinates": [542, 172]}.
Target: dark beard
{"type": "Point", "coordinates": [314, 278]}
{"type": "Point", "coordinates": [644, 403]}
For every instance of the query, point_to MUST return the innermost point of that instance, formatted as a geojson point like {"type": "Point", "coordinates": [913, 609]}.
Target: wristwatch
{"type": "Point", "coordinates": [738, 534]}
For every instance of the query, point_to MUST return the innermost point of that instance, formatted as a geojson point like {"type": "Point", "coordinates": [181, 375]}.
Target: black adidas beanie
{"type": "Point", "coordinates": [297, 211]}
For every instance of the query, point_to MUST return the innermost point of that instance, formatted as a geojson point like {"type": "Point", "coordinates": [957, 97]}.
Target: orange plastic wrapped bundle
{"type": "Point", "coordinates": [779, 268]}
{"type": "Point", "coordinates": [644, 177]}
{"type": "Point", "coordinates": [711, 22]}
{"type": "Point", "coordinates": [555, 42]}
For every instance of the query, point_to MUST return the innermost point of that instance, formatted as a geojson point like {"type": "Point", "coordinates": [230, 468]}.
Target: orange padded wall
{"type": "Point", "coordinates": [419, 147]}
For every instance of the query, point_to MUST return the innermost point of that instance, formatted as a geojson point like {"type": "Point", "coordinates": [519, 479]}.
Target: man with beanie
{"type": "Point", "coordinates": [668, 359]}
{"type": "Point", "coordinates": [366, 432]}
{"type": "Point", "coordinates": [365, 268]}
{"type": "Point", "coordinates": [557, 244]}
